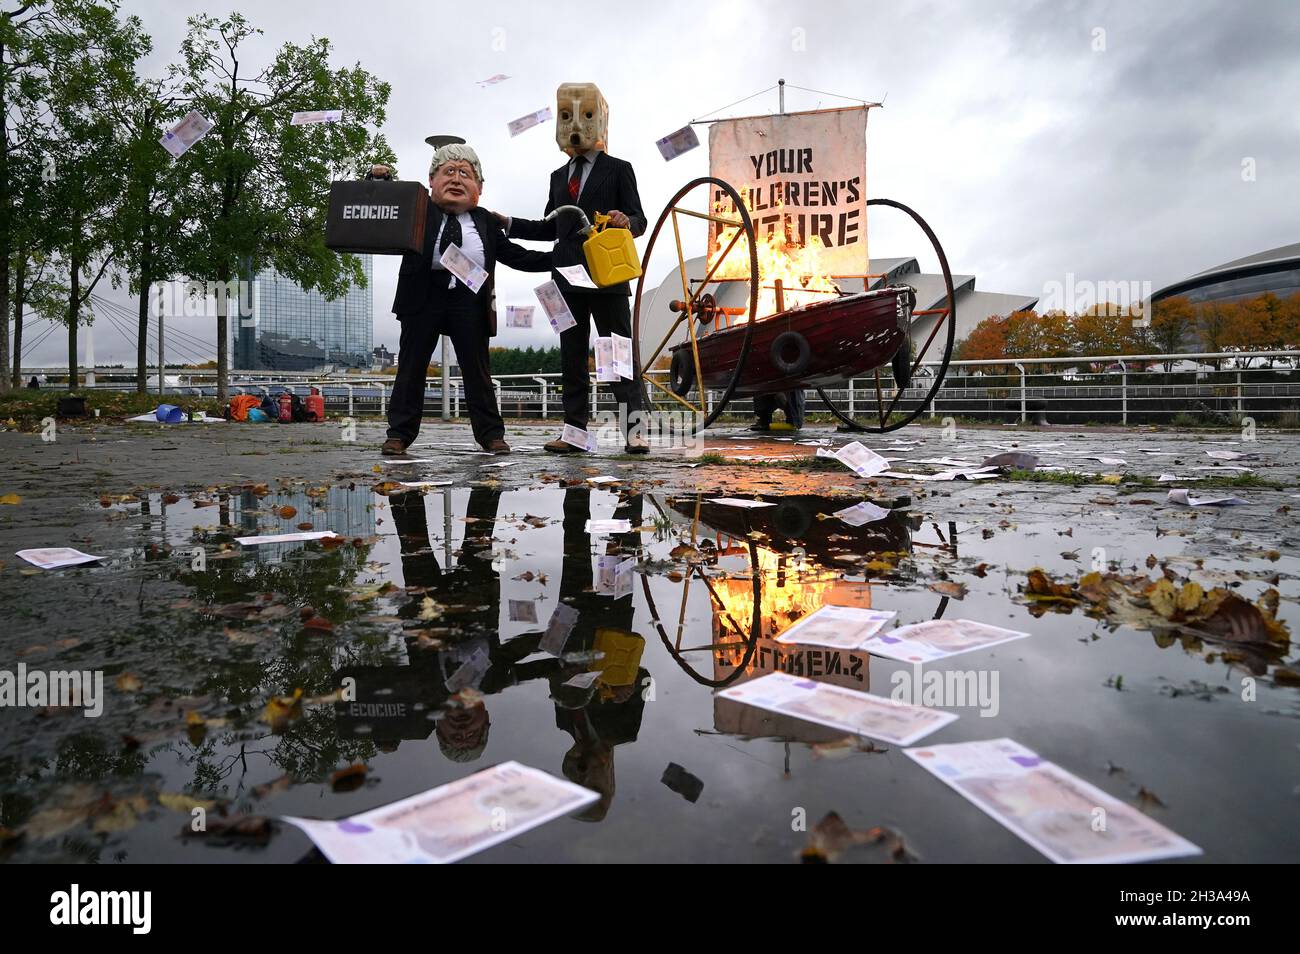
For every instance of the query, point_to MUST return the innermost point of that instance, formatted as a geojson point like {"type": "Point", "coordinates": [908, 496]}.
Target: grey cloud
{"type": "Point", "coordinates": [1031, 154]}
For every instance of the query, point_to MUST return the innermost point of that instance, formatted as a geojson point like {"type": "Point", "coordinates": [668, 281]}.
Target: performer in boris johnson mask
{"type": "Point", "coordinates": [594, 181]}
{"type": "Point", "coordinates": [432, 300]}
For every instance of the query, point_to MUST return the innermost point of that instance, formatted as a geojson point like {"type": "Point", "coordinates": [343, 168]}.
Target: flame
{"type": "Point", "coordinates": [792, 588]}
{"type": "Point", "coordinates": [797, 267]}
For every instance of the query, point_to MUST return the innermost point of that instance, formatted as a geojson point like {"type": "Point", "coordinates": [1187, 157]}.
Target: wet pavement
{"type": "Point", "coordinates": [460, 612]}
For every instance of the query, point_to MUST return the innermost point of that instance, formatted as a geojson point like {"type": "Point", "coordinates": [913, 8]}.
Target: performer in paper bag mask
{"type": "Point", "coordinates": [594, 181]}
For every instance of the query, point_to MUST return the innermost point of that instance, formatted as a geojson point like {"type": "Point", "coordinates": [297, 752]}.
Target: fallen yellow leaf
{"type": "Point", "coordinates": [128, 682]}
{"type": "Point", "coordinates": [280, 709]}
{"type": "Point", "coordinates": [184, 803]}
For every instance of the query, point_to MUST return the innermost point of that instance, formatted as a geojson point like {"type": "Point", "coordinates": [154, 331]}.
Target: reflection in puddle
{"type": "Point", "coordinates": [777, 564]}
{"type": "Point", "coordinates": [454, 628]}
{"type": "Point", "coordinates": [589, 655]}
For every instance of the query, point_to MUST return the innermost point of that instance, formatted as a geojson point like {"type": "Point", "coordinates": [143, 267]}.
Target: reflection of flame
{"type": "Point", "coordinates": [796, 266]}
{"type": "Point", "coordinates": [790, 592]}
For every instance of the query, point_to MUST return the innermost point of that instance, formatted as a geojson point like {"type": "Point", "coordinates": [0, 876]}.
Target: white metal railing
{"type": "Point", "coordinates": [1124, 388]}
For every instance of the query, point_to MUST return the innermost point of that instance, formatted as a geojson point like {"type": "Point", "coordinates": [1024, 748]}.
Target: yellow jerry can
{"type": "Point", "coordinates": [622, 659]}
{"type": "Point", "coordinates": [611, 254]}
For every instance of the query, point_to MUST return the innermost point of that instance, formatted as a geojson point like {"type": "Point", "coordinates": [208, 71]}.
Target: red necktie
{"type": "Point", "coordinates": [575, 180]}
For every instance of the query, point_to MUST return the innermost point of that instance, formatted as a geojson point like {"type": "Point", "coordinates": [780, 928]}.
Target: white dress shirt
{"type": "Point", "coordinates": [471, 243]}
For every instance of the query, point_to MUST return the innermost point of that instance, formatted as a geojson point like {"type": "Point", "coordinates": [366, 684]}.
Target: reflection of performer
{"type": "Point", "coordinates": [470, 596]}
{"type": "Point", "coordinates": [473, 583]}
{"type": "Point", "coordinates": [599, 714]}
{"type": "Point", "coordinates": [594, 181]}
{"type": "Point", "coordinates": [576, 580]}
{"type": "Point", "coordinates": [608, 713]}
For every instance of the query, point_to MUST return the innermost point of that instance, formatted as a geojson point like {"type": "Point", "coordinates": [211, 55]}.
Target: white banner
{"type": "Point", "coordinates": [802, 172]}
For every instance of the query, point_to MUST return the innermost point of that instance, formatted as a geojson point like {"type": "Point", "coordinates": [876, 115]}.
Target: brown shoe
{"type": "Point", "coordinates": [393, 447]}
{"type": "Point", "coordinates": [562, 447]}
{"type": "Point", "coordinates": [497, 446]}
{"type": "Point", "coordinates": [636, 445]}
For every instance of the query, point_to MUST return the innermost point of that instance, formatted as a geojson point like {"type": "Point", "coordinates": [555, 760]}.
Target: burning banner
{"type": "Point", "coordinates": [803, 178]}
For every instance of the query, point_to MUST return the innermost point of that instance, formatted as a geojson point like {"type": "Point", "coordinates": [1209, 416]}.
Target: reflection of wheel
{"type": "Point", "coordinates": [698, 305]}
{"type": "Point", "coordinates": [884, 414]}
{"type": "Point", "coordinates": [755, 624]}
{"type": "Point", "coordinates": [750, 639]}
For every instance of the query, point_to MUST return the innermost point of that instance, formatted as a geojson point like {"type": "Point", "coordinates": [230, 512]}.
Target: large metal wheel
{"type": "Point", "coordinates": [882, 413]}
{"type": "Point", "coordinates": [697, 305]}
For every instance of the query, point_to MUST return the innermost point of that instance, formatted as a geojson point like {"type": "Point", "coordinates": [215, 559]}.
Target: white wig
{"type": "Point", "coordinates": [456, 151]}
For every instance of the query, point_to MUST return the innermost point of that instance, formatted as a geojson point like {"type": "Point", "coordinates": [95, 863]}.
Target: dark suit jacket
{"type": "Point", "coordinates": [415, 278]}
{"type": "Point", "coordinates": [610, 185]}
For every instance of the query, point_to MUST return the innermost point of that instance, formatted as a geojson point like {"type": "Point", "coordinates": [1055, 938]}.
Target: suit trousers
{"type": "Point", "coordinates": [612, 315]}
{"type": "Point", "coordinates": [792, 403]}
{"type": "Point", "coordinates": [457, 315]}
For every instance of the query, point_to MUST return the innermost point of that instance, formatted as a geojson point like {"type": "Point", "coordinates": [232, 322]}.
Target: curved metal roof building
{"type": "Point", "coordinates": [1276, 270]}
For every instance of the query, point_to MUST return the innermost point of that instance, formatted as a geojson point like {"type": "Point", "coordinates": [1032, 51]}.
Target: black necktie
{"type": "Point", "coordinates": [450, 232]}
{"type": "Point", "coordinates": [575, 180]}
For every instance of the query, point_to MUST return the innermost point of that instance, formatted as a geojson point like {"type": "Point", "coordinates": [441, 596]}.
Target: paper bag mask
{"type": "Point", "coordinates": [582, 118]}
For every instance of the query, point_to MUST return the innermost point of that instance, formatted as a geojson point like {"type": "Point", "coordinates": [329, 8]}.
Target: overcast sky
{"type": "Point", "coordinates": [1103, 139]}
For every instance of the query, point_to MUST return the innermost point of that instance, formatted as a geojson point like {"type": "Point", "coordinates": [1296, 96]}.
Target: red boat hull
{"type": "Point", "coordinates": [846, 337]}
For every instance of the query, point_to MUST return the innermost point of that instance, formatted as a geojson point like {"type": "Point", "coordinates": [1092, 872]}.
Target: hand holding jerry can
{"type": "Point", "coordinates": [610, 253]}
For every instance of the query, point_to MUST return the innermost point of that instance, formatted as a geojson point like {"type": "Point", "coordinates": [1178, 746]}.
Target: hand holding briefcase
{"type": "Point", "coordinates": [376, 215]}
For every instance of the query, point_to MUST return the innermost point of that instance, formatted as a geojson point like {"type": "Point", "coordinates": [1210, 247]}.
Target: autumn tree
{"type": "Point", "coordinates": [1212, 321]}
{"type": "Point", "coordinates": [1104, 330]}
{"type": "Point", "coordinates": [84, 198]}
{"type": "Point", "coordinates": [1267, 312]}
{"type": "Point", "coordinates": [986, 342]}
{"type": "Point", "coordinates": [1031, 335]}
{"type": "Point", "coordinates": [154, 220]}
{"type": "Point", "coordinates": [1289, 320]}
{"type": "Point", "coordinates": [1173, 322]}
{"type": "Point", "coordinates": [1242, 329]}
{"type": "Point", "coordinates": [258, 186]}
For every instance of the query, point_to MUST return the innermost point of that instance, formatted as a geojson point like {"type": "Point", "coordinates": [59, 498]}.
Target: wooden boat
{"type": "Point", "coordinates": [793, 523]}
{"type": "Point", "coordinates": [818, 345]}
{"type": "Point", "coordinates": [814, 345]}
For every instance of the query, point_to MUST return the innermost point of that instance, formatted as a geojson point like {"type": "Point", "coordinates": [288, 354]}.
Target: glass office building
{"type": "Point", "coordinates": [297, 330]}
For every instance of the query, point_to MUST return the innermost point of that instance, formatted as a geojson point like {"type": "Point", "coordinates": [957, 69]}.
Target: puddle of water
{"type": "Point", "coordinates": [461, 623]}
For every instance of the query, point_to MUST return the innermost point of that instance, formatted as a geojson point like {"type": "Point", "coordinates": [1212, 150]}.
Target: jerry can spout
{"type": "Point", "coordinates": [585, 228]}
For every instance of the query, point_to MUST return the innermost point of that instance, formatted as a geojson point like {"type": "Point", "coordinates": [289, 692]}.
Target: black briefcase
{"type": "Point", "coordinates": [376, 216]}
